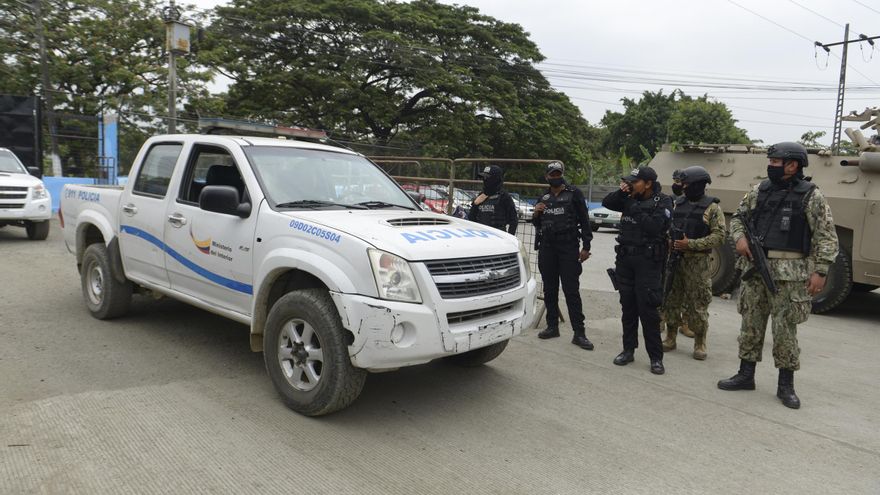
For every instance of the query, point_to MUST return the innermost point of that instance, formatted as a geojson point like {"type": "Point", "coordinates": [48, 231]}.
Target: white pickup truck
{"type": "Point", "coordinates": [331, 264]}
{"type": "Point", "coordinates": [24, 200]}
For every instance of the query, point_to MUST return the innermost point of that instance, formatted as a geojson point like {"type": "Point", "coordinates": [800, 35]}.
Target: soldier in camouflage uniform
{"type": "Point", "coordinates": [677, 192]}
{"type": "Point", "coordinates": [699, 221]}
{"type": "Point", "coordinates": [792, 220]}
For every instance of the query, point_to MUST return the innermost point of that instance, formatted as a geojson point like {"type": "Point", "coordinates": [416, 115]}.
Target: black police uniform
{"type": "Point", "coordinates": [498, 210]}
{"type": "Point", "coordinates": [641, 256]}
{"type": "Point", "coordinates": [562, 225]}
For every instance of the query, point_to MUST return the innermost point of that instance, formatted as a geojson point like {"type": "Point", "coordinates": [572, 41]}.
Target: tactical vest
{"type": "Point", "coordinates": [780, 219]}
{"type": "Point", "coordinates": [558, 222]}
{"type": "Point", "coordinates": [687, 218]}
{"type": "Point", "coordinates": [491, 212]}
{"type": "Point", "coordinates": [631, 233]}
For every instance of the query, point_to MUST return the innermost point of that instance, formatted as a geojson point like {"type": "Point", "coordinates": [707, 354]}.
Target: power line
{"type": "Point", "coordinates": [867, 6]}
{"type": "Point", "coordinates": [816, 13]}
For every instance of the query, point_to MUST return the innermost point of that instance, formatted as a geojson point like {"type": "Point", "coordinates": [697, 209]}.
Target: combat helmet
{"type": "Point", "coordinates": [788, 150]}
{"type": "Point", "coordinates": [695, 174]}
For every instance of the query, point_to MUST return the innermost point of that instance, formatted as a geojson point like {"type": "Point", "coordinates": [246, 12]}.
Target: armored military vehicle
{"type": "Point", "coordinates": [850, 183]}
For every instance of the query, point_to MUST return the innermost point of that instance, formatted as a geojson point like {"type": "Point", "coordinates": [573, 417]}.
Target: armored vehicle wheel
{"type": "Point", "coordinates": [722, 268]}
{"type": "Point", "coordinates": [838, 284]}
{"type": "Point", "coordinates": [479, 356]}
{"type": "Point", "coordinates": [37, 231]}
{"type": "Point", "coordinates": [306, 354]}
{"type": "Point", "coordinates": [857, 287]}
{"type": "Point", "coordinates": [105, 296]}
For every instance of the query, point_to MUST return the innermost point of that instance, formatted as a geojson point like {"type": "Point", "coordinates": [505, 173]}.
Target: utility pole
{"type": "Point", "coordinates": [46, 90]}
{"type": "Point", "coordinates": [838, 115]}
{"type": "Point", "coordinates": [177, 43]}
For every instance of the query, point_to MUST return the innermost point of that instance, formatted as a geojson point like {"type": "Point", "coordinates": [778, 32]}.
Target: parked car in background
{"type": "Point", "coordinates": [24, 200]}
{"type": "Point", "coordinates": [524, 209]}
{"type": "Point", "coordinates": [603, 217]}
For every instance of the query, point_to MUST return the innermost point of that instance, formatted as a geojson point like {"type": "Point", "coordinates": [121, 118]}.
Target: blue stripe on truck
{"type": "Point", "coordinates": [213, 277]}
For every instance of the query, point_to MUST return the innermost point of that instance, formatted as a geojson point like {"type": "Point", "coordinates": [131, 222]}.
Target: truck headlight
{"type": "Point", "coordinates": [394, 277]}
{"type": "Point", "coordinates": [525, 258]}
{"type": "Point", "coordinates": [39, 192]}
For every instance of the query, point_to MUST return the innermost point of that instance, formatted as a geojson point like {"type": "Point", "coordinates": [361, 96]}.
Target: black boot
{"type": "Point", "coordinates": [744, 380]}
{"type": "Point", "coordinates": [580, 339]}
{"type": "Point", "coordinates": [657, 367]}
{"type": "Point", "coordinates": [549, 333]}
{"type": "Point", "coordinates": [625, 357]}
{"type": "Point", "coordinates": [785, 390]}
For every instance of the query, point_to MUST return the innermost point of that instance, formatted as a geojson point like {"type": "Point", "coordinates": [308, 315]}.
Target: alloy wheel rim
{"type": "Point", "coordinates": [300, 355]}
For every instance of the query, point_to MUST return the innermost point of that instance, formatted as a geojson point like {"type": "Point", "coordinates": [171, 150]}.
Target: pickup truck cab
{"type": "Point", "coordinates": [334, 267]}
{"type": "Point", "coordinates": [24, 200]}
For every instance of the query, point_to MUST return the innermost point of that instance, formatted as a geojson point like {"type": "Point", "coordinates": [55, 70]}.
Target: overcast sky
{"type": "Point", "coordinates": [740, 52]}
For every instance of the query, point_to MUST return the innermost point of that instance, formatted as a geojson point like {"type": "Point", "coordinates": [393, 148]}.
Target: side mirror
{"type": "Point", "coordinates": [223, 199]}
{"type": "Point", "coordinates": [35, 171]}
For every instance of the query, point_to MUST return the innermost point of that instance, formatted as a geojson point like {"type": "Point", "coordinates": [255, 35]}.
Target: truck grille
{"type": "Point", "coordinates": [13, 188]}
{"type": "Point", "coordinates": [13, 192]}
{"type": "Point", "coordinates": [11, 206]}
{"type": "Point", "coordinates": [13, 196]}
{"type": "Point", "coordinates": [407, 222]}
{"type": "Point", "coordinates": [468, 277]}
{"type": "Point", "coordinates": [477, 314]}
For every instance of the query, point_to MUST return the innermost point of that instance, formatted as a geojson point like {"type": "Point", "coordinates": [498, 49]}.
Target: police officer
{"type": "Point", "coordinates": [697, 227]}
{"type": "Point", "coordinates": [494, 206]}
{"type": "Point", "coordinates": [561, 221]}
{"type": "Point", "coordinates": [790, 217]}
{"type": "Point", "coordinates": [641, 257]}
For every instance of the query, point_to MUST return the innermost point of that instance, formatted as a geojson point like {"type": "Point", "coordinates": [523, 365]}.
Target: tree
{"type": "Point", "coordinates": [810, 139]}
{"type": "Point", "coordinates": [701, 121]}
{"type": "Point", "coordinates": [431, 78]}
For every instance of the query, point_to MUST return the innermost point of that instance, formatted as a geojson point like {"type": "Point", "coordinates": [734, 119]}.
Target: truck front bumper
{"type": "Point", "coordinates": [36, 210]}
{"type": "Point", "coordinates": [389, 334]}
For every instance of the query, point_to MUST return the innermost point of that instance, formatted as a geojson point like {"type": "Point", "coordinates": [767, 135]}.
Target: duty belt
{"type": "Point", "coordinates": [785, 255]}
{"type": "Point", "coordinates": [635, 250]}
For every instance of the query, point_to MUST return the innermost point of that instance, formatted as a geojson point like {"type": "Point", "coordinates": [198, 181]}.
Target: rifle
{"type": "Point", "coordinates": [759, 257]}
{"type": "Point", "coordinates": [672, 261]}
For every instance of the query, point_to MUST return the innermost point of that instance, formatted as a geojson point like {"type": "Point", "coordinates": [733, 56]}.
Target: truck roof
{"type": "Point", "coordinates": [256, 141]}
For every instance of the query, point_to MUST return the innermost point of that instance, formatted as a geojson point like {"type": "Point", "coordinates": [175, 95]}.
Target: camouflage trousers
{"type": "Point", "coordinates": [788, 308]}
{"type": "Point", "coordinates": [689, 297]}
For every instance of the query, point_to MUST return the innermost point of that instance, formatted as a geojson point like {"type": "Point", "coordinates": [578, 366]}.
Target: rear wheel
{"type": "Point", "coordinates": [37, 231]}
{"type": "Point", "coordinates": [722, 268]}
{"type": "Point", "coordinates": [105, 296]}
{"type": "Point", "coordinates": [838, 284]}
{"type": "Point", "coordinates": [479, 356]}
{"type": "Point", "coordinates": [306, 354]}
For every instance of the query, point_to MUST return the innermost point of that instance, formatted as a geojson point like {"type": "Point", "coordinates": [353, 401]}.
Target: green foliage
{"type": "Point", "coordinates": [810, 139]}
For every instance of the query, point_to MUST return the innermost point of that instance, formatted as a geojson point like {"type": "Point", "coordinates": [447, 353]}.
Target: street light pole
{"type": "Point", "coordinates": [174, 43]}
{"type": "Point", "coordinates": [46, 90]}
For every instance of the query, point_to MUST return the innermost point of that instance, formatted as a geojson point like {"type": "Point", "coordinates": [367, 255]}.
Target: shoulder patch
{"type": "Point", "coordinates": [545, 197]}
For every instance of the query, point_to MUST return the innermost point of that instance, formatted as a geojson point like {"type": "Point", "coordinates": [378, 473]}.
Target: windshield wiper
{"type": "Point", "coordinates": [317, 203]}
{"type": "Point", "coordinates": [382, 204]}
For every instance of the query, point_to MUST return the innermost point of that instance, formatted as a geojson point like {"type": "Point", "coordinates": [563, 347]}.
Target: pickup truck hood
{"type": "Point", "coordinates": [413, 235]}
{"type": "Point", "coordinates": [18, 180]}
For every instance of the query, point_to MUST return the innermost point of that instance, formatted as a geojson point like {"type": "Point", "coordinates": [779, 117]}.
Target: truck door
{"type": "Point", "coordinates": [142, 215]}
{"type": "Point", "coordinates": [210, 255]}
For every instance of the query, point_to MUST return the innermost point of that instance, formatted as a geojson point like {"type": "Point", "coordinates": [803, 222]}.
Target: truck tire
{"type": "Point", "coordinates": [105, 296]}
{"type": "Point", "coordinates": [306, 354]}
{"type": "Point", "coordinates": [722, 268]}
{"type": "Point", "coordinates": [479, 356]}
{"type": "Point", "coordinates": [838, 284]}
{"type": "Point", "coordinates": [37, 231]}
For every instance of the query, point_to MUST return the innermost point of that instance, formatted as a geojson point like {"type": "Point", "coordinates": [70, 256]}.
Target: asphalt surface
{"type": "Point", "coordinates": [170, 400]}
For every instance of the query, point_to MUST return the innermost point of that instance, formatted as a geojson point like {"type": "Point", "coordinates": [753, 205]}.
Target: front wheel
{"type": "Point", "coordinates": [37, 231]}
{"type": "Point", "coordinates": [838, 284]}
{"type": "Point", "coordinates": [105, 296]}
{"type": "Point", "coordinates": [306, 354]}
{"type": "Point", "coordinates": [722, 268]}
{"type": "Point", "coordinates": [479, 356]}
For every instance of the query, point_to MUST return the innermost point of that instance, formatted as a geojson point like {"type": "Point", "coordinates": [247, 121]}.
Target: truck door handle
{"type": "Point", "coordinates": [130, 209]}
{"type": "Point", "coordinates": [177, 220]}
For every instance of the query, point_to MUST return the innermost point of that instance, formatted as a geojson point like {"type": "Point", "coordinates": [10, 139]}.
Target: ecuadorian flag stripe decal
{"type": "Point", "coordinates": [213, 277]}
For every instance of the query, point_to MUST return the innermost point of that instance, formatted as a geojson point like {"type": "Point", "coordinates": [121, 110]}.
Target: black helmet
{"type": "Point", "coordinates": [789, 151]}
{"type": "Point", "coordinates": [695, 174]}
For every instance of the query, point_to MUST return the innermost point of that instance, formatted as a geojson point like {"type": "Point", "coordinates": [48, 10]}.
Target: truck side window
{"type": "Point", "coordinates": [155, 173]}
{"type": "Point", "coordinates": [209, 166]}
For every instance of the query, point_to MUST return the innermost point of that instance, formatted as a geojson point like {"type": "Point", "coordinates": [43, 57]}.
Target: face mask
{"type": "Point", "coordinates": [677, 189]}
{"type": "Point", "coordinates": [694, 192]}
{"type": "Point", "coordinates": [775, 174]}
{"type": "Point", "coordinates": [491, 185]}
{"type": "Point", "coordinates": [556, 181]}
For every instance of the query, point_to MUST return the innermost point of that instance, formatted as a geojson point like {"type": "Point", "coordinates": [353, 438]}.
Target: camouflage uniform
{"type": "Point", "coordinates": [791, 305]}
{"type": "Point", "coordinates": [691, 292]}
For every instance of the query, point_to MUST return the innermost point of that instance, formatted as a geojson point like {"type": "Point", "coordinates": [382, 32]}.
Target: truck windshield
{"type": "Point", "coordinates": [9, 164]}
{"type": "Point", "coordinates": [304, 178]}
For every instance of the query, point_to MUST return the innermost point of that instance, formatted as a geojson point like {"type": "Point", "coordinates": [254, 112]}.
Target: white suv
{"type": "Point", "coordinates": [24, 200]}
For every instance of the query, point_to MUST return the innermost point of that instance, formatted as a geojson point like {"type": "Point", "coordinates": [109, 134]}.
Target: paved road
{"type": "Point", "coordinates": [170, 400]}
